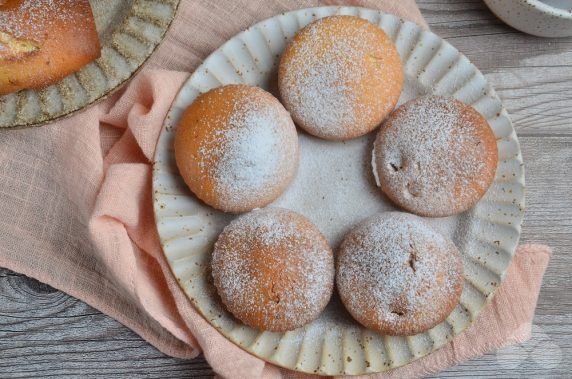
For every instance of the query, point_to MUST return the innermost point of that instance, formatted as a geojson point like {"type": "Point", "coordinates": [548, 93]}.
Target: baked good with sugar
{"type": "Point", "coordinates": [42, 41]}
{"type": "Point", "coordinates": [397, 276]}
{"type": "Point", "coordinates": [273, 269]}
{"type": "Point", "coordinates": [236, 147]}
{"type": "Point", "coordinates": [339, 77]}
{"type": "Point", "coordinates": [435, 156]}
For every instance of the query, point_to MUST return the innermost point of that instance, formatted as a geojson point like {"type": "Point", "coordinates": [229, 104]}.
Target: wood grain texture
{"type": "Point", "coordinates": [45, 333]}
{"type": "Point", "coordinates": [531, 74]}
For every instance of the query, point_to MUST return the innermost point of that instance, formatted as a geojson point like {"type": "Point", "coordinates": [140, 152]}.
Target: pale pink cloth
{"type": "Point", "coordinates": [75, 208]}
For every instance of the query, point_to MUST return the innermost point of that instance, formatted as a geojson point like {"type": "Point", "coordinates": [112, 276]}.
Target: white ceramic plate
{"type": "Point", "coordinates": [486, 235]}
{"type": "Point", "coordinates": [129, 32]}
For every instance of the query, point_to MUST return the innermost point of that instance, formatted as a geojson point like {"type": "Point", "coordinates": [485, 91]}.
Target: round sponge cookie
{"type": "Point", "coordinates": [397, 276]}
{"type": "Point", "coordinates": [273, 269]}
{"type": "Point", "coordinates": [435, 156]}
{"type": "Point", "coordinates": [236, 147]}
{"type": "Point", "coordinates": [339, 77]}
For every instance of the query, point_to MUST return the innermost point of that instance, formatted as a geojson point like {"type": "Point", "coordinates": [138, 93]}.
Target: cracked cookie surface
{"type": "Point", "coordinates": [398, 276]}
{"type": "Point", "coordinates": [435, 156]}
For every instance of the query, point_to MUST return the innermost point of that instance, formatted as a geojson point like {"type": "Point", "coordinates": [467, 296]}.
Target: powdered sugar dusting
{"type": "Point", "coordinates": [396, 273]}
{"type": "Point", "coordinates": [32, 17]}
{"type": "Point", "coordinates": [343, 190]}
{"type": "Point", "coordinates": [433, 158]}
{"type": "Point", "coordinates": [273, 266]}
{"type": "Point", "coordinates": [321, 82]}
{"type": "Point", "coordinates": [250, 157]}
{"type": "Point", "coordinates": [334, 187]}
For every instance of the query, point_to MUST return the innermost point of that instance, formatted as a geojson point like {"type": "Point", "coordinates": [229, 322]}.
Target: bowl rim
{"type": "Point", "coordinates": [549, 9]}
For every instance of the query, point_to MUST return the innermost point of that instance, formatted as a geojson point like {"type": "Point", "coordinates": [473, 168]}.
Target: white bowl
{"type": "Point", "coordinates": [546, 18]}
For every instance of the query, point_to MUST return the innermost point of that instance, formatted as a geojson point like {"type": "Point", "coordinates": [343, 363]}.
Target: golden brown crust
{"type": "Point", "coordinates": [236, 147]}
{"type": "Point", "coordinates": [340, 77]}
{"type": "Point", "coordinates": [397, 276]}
{"type": "Point", "coordinates": [435, 156]}
{"type": "Point", "coordinates": [273, 269]}
{"type": "Point", "coordinates": [41, 42]}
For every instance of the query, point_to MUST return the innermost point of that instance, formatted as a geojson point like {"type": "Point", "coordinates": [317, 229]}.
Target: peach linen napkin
{"type": "Point", "coordinates": [76, 209]}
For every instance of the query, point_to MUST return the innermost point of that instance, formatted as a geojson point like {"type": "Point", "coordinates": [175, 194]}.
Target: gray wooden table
{"type": "Point", "coordinates": [45, 333]}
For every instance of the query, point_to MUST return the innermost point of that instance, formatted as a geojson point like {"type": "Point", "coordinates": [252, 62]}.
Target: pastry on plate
{"type": "Point", "coordinates": [339, 77]}
{"type": "Point", "coordinates": [42, 41]}
{"type": "Point", "coordinates": [397, 276]}
{"type": "Point", "coordinates": [273, 269]}
{"type": "Point", "coordinates": [435, 156]}
{"type": "Point", "coordinates": [236, 147]}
